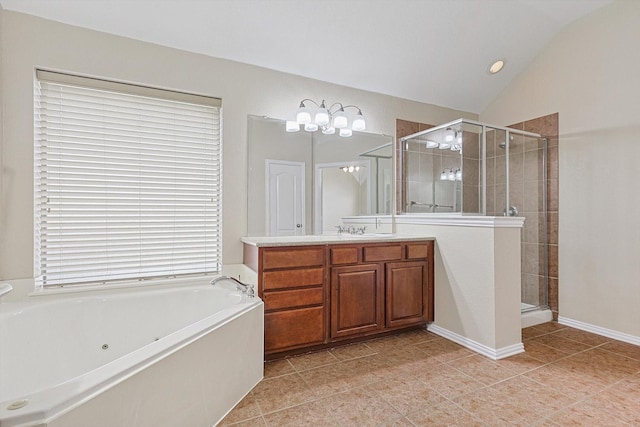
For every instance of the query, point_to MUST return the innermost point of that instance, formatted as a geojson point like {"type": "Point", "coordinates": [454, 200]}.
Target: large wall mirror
{"type": "Point", "coordinates": [305, 183]}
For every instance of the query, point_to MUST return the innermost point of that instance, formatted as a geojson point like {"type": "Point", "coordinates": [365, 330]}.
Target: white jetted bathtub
{"type": "Point", "coordinates": [178, 356]}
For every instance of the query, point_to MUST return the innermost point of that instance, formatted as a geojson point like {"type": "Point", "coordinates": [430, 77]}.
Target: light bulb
{"type": "Point", "coordinates": [351, 168]}
{"type": "Point", "coordinates": [444, 146]}
{"type": "Point", "coordinates": [449, 135]}
{"type": "Point", "coordinates": [322, 115]}
{"type": "Point", "coordinates": [344, 169]}
{"type": "Point", "coordinates": [292, 126]}
{"type": "Point", "coordinates": [310, 127]}
{"type": "Point", "coordinates": [443, 176]}
{"type": "Point", "coordinates": [451, 175]}
{"type": "Point", "coordinates": [303, 116]}
{"type": "Point", "coordinates": [357, 168]}
{"type": "Point", "coordinates": [359, 124]}
{"type": "Point", "coordinates": [458, 175]}
{"type": "Point", "coordinates": [328, 130]}
{"type": "Point", "coordinates": [345, 132]}
{"type": "Point", "coordinates": [432, 144]}
{"type": "Point", "coordinates": [340, 119]}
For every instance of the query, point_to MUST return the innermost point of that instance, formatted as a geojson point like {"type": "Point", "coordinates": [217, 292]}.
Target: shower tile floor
{"type": "Point", "coordinates": [566, 377]}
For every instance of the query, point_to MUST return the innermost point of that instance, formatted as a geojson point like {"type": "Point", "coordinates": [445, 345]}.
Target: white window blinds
{"type": "Point", "coordinates": [127, 182]}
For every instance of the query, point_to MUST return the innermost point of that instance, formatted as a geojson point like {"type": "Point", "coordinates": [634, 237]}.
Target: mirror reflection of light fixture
{"type": "Point", "coordinates": [310, 127]}
{"type": "Point", "coordinates": [431, 144]}
{"type": "Point", "coordinates": [350, 168]}
{"type": "Point", "coordinates": [346, 132]}
{"type": "Point", "coordinates": [451, 175]}
{"type": "Point", "coordinates": [449, 135]}
{"type": "Point", "coordinates": [327, 119]}
{"type": "Point", "coordinates": [292, 126]}
{"type": "Point", "coordinates": [444, 146]}
{"type": "Point", "coordinates": [327, 130]}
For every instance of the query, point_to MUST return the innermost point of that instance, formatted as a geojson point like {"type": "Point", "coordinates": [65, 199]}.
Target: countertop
{"type": "Point", "coordinates": [271, 241]}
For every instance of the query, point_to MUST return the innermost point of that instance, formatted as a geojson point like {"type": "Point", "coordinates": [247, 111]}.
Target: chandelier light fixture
{"type": "Point", "coordinates": [451, 140]}
{"type": "Point", "coordinates": [327, 120]}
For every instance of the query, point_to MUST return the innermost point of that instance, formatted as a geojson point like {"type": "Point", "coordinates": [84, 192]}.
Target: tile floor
{"type": "Point", "coordinates": [566, 377]}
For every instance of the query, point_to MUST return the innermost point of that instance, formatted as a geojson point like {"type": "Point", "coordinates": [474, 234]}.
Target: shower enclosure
{"type": "Point", "coordinates": [471, 168]}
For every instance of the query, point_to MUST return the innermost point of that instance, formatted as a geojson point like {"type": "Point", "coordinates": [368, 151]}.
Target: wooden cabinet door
{"type": "Point", "coordinates": [407, 296]}
{"type": "Point", "coordinates": [357, 300]}
{"type": "Point", "coordinates": [290, 329]}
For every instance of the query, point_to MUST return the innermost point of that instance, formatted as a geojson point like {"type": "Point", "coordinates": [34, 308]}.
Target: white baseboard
{"type": "Point", "coordinates": [482, 349]}
{"type": "Point", "coordinates": [609, 333]}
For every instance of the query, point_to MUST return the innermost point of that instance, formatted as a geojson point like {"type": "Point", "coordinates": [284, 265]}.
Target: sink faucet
{"type": "Point", "coordinates": [245, 288]}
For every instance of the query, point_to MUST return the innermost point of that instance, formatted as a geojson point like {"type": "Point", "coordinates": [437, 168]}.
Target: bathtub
{"type": "Point", "coordinates": [159, 356]}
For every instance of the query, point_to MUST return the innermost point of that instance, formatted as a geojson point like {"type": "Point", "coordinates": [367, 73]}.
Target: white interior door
{"type": "Point", "coordinates": [285, 197]}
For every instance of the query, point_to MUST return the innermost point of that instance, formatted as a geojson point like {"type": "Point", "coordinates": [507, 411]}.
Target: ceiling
{"type": "Point", "coordinates": [432, 51]}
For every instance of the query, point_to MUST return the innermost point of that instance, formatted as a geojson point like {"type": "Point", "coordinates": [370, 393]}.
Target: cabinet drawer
{"type": "Point", "coordinates": [348, 255]}
{"type": "Point", "coordinates": [293, 328]}
{"type": "Point", "coordinates": [292, 278]}
{"type": "Point", "coordinates": [382, 253]}
{"type": "Point", "coordinates": [304, 257]}
{"type": "Point", "coordinates": [418, 250]}
{"type": "Point", "coordinates": [275, 300]}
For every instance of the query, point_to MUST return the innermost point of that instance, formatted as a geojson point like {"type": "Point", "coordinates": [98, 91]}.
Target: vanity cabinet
{"type": "Point", "coordinates": [320, 295]}
{"type": "Point", "coordinates": [291, 282]}
{"type": "Point", "coordinates": [387, 286]}
{"type": "Point", "coordinates": [357, 300]}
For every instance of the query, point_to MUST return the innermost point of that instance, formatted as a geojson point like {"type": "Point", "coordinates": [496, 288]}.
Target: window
{"type": "Point", "coordinates": [127, 182]}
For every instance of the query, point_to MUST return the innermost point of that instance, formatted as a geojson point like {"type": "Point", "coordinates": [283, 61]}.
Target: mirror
{"type": "Point", "coordinates": [305, 183]}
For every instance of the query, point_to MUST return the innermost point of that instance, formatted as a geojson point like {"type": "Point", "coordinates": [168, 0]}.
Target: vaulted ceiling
{"type": "Point", "coordinates": [433, 51]}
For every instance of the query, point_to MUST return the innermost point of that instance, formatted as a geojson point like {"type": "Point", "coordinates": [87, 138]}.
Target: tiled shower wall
{"type": "Point", "coordinates": [533, 277]}
{"type": "Point", "coordinates": [526, 184]}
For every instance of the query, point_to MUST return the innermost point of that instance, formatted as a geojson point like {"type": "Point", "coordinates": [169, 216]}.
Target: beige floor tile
{"type": "Point", "coordinates": [313, 360]}
{"type": "Point", "coordinates": [352, 351]}
{"type": "Point", "coordinates": [444, 414]}
{"type": "Point", "coordinates": [363, 371]}
{"type": "Point", "coordinates": [482, 369]}
{"type": "Point", "coordinates": [253, 422]}
{"type": "Point", "coordinates": [306, 414]}
{"type": "Point", "coordinates": [583, 337]}
{"type": "Point", "coordinates": [417, 337]}
{"type": "Point", "coordinates": [406, 394]}
{"type": "Point", "coordinates": [496, 407]}
{"type": "Point", "coordinates": [281, 392]}
{"type": "Point", "coordinates": [587, 415]}
{"type": "Point", "coordinates": [607, 366]}
{"type": "Point", "coordinates": [444, 350]}
{"type": "Point", "coordinates": [560, 343]}
{"type": "Point", "coordinates": [548, 327]}
{"type": "Point", "coordinates": [360, 407]}
{"type": "Point", "coordinates": [520, 363]}
{"type": "Point", "coordinates": [326, 380]}
{"type": "Point", "coordinates": [566, 377]}
{"type": "Point", "coordinates": [448, 381]}
{"type": "Point", "coordinates": [543, 352]}
{"type": "Point", "coordinates": [247, 408]}
{"type": "Point", "coordinates": [568, 380]}
{"type": "Point", "coordinates": [623, 348]}
{"type": "Point", "coordinates": [277, 367]}
{"type": "Point", "coordinates": [382, 345]}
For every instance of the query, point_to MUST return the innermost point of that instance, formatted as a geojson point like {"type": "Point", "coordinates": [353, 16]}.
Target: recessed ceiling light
{"type": "Point", "coordinates": [496, 66]}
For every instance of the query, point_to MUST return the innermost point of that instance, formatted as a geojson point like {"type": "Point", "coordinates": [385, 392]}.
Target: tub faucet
{"type": "Point", "coordinates": [245, 288]}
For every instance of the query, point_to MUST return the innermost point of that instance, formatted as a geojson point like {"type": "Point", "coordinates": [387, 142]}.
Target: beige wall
{"type": "Point", "coordinates": [30, 42]}
{"type": "Point", "coordinates": [477, 280]}
{"type": "Point", "coordinates": [589, 74]}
